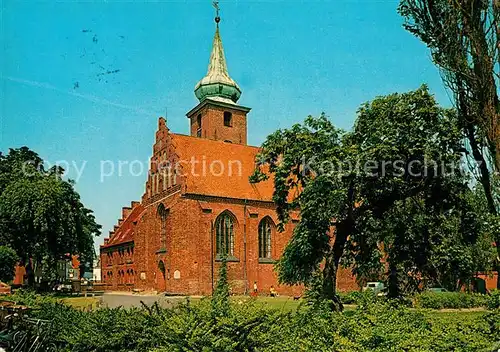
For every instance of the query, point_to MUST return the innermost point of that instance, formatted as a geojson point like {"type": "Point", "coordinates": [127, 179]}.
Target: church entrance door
{"type": "Point", "coordinates": [161, 283]}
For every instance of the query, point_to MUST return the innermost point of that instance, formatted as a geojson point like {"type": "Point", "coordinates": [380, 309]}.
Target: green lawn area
{"type": "Point", "coordinates": [288, 304]}
{"type": "Point", "coordinates": [82, 302]}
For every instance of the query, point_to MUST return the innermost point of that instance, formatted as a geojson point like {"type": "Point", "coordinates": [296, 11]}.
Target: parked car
{"type": "Point", "coordinates": [377, 287]}
{"type": "Point", "coordinates": [63, 288]}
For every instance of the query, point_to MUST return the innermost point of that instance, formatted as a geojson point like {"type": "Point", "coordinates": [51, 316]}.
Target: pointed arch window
{"type": "Point", "coordinates": [224, 233]}
{"type": "Point", "coordinates": [265, 233]}
{"type": "Point", "coordinates": [162, 214]}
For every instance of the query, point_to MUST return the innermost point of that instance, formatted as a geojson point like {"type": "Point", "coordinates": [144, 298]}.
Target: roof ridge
{"type": "Point", "coordinates": [215, 141]}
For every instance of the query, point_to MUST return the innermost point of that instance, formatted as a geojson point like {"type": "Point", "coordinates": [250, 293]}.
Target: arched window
{"type": "Point", "coordinates": [265, 230]}
{"type": "Point", "coordinates": [224, 233]}
{"type": "Point", "coordinates": [162, 214]}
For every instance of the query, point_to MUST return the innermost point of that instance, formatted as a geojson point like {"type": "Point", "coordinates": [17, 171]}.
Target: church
{"type": "Point", "coordinates": [199, 206]}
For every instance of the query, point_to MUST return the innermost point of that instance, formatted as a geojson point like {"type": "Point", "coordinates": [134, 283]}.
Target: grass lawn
{"type": "Point", "coordinates": [82, 302]}
{"type": "Point", "coordinates": [288, 304]}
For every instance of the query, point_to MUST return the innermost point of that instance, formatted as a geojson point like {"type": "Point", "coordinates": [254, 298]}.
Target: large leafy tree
{"type": "Point", "coordinates": [421, 187]}
{"type": "Point", "coordinates": [426, 246]}
{"type": "Point", "coordinates": [41, 215]}
{"type": "Point", "coordinates": [464, 40]}
{"type": "Point", "coordinates": [346, 184]}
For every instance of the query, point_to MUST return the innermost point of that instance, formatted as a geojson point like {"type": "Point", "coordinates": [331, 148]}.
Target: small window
{"type": "Point", "coordinates": [228, 119]}
{"type": "Point", "coordinates": [198, 126]}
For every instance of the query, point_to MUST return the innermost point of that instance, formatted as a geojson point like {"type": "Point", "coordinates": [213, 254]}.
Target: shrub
{"type": "Point", "coordinates": [494, 300]}
{"type": "Point", "coordinates": [8, 261]}
{"type": "Point", "coordinates": [31, 298]}
{"type": "Point", "coordinates": [456, 300]}
{"type": "Point", "coordinates": [357, 297]}
{"type": "Point", "coordinates": [373, 326]}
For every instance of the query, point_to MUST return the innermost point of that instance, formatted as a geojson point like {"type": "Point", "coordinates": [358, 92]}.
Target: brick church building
{"type": "Point", "coordinates": [198, 203]}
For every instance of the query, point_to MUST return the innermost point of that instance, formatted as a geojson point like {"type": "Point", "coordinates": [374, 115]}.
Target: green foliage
{"type": "Point", "coordinates": [465, 49]}
{"type": "Point", "coordinates": [494, 300]}
{"type": "Point", "coordinates": [41, 215]}
{"type": "Point", "coordinates": [8, 261]}
{"type": "Point", "coordinates": [395, 179]}
{"type": "Point", "coordinates": [32, 299]}
{"type": "Point", "coordinates": [252, 327]}
{"type": "Point", "coordinates": [220, 298]}
{"type": "Point", "coordinates": [453, 300]}
{"type": "Point", "coordinates": [357, 297]}
{"type": "Point", "coordinates": [428, 299]}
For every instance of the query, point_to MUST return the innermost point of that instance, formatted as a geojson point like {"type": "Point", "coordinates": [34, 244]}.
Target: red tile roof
{"type": "Point", "coordinates": [125, 233]}
{"type": "Point", "coordinates": [221, 169]}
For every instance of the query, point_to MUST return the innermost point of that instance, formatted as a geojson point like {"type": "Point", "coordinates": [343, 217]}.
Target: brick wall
{"type": "Point", "coordinates": [212, 124]}
{"type": "Point", "coordinates": [189, 259]}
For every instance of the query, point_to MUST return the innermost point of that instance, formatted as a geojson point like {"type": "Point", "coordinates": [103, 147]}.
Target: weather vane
{"type": "Point", "coordinates": [217, 8]}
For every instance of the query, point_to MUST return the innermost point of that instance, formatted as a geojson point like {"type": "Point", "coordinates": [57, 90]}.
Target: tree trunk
{"type": "Point", "coordinates": [332, 264]}
{"type": "Point", "coordinates": [393, 289]}
{"type": "Point", "coordinates": [30, 273]}
{"type": "Point", "coordinates": [329, 289]}
{"type": "Point", "coordinates": [485, 175]}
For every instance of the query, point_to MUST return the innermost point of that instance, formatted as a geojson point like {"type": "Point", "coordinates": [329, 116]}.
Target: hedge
{"type": "Point", "coordinates": [373, 326]}
{"type": "Point", "coordinates": [433, 300]}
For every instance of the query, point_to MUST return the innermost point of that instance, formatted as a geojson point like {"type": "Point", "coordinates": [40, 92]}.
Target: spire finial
{"type": "Point", "coordinates": [217, 9]}
{"type": "Point", "coordinates": [217, 84]}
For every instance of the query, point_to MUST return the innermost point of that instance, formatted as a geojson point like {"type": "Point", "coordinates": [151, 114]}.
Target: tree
{"type": "Point", "coordinates": [324, 200]}
{"type": "Point", "coordinates": [8, 262]}
{"type": "Point", "coordinates": [220, 296]}
{"type": "Point", "coordinates": [346, 183]}
{"type": "Point", "coordinates": [41, 215]}
{"type": "Point", "coordinates": [424, 250]}
{"type": "Point", "coordinates": [464, 39]}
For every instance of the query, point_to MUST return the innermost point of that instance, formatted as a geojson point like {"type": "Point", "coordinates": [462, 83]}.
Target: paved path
{"type": "Point", "coordinates": [113, 300]}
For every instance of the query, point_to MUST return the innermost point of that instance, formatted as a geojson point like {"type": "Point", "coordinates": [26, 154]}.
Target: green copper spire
{"type": "Point", "coordinates": [217, 85]}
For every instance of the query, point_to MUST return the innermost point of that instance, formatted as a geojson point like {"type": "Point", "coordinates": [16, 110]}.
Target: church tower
{"type": "Point", "coordinates": [217, 116]}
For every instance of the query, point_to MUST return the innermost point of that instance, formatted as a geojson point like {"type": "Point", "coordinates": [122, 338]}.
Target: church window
{"type": "Point", "coordinates": [265, 229]}
{"type": "Point", "coordinates": [224, 231]}
{"type": "Point", "coordinates": [228, 119]}
{"type": "Point", "coordinates": [162, 214]}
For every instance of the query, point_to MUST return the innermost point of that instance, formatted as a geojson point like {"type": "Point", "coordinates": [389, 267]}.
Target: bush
{"type": "Point", "coordinates": [8, 261]}
{"type": "Point", "coordinates": [455, 300]}
{"type": "Point", "coordinates": [494, 300]}
{"type": "Point", "coordinates": [31, 298]}
{"type": "Point", "coordinates": [373, 326]}
{"type": "Point", "coordinates": [357, 297]}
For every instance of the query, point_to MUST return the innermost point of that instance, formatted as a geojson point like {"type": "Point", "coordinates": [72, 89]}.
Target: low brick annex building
{"type": "Point", "coordinates": [199, 203]}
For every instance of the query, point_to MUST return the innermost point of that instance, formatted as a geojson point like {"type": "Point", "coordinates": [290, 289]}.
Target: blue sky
{"type": "Point", "coordinates": [60, 96]}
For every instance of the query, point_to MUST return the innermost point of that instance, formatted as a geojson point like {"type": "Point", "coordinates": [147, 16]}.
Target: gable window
{"type": "Point", "coordinates": [228, 119]}
{"type": "Point", "coordinates": [224, 231]}
{"type": "Point", "coordinates": [265, 229]}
